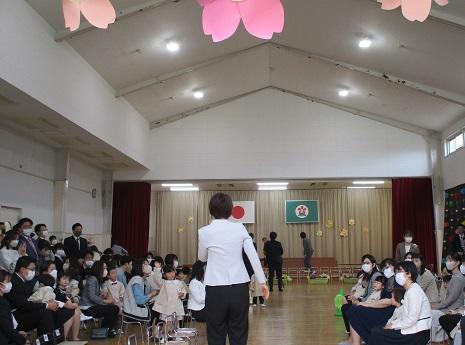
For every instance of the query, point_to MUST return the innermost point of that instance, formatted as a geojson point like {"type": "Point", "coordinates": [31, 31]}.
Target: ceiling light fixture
{"type": "Point", "coordinates": [272, 188]}
{"type": "Point", "coordinates": [172, 46]}
{"type": "Point", "coordinates": [272, 183]}
{"type": "Point", "coordinates": [184, 189]}
{"type": "Point", "coordinates": [177, 185]}
{"type": "Point", "coordinates": [368, 182]}
{"type": "Point", "coordinates": [361, 187]}
{"type": "Point", "coordinates": [198, 94]}
{"type": "Point", "coordinates": [365, 43]}
{"type": "Point", "coordinates": [343, 92]}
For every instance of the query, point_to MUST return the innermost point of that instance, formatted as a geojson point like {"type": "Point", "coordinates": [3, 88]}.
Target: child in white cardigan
{"type": "Point", "coordinates": [45, 293]}
{"type": "Point", "coordinates": [172, 291]}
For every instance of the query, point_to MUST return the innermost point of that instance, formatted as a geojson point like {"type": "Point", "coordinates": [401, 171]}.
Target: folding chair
{"type": "Point", "coordinates": [132, 340]}
{"type": "Point", "coordinates": [161, 334]}
{"type": "Point", "coordinates": [175, 331]}
{"type": "Point", "coordinates": [127, 320]}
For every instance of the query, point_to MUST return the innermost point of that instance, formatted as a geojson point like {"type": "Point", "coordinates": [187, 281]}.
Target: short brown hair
{"type": "Point", "coordinates": [220, 206]}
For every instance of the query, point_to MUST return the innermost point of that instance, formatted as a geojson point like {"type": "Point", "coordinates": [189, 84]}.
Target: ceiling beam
{"type": "Point", "coordinates": [372, 116]}
{"type": "Point", "coordinates": [65, 34]}
{"type": "Point", "coordinates": [160, 79]}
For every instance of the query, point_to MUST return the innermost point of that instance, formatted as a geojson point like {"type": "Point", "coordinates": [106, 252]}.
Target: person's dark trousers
{"type": "Point", "coordinates": [108, 312]}
{"type": "Point", "coordinates": [462, 326]}
{"type": "Point", "coordinates": [278, 268]}
{"type": "Point", "coordinates": [308, 262]}
{"type": "Point", "coordinates": [345, 310]}
{"type": "Point", "coordinates": [30, 320]}
{"type": "Point", "coordinates": [449, 321]}
{"type": "Point", "coordinates": [260, 298]}
{"type": "Point", "coordinates": [200, 315]}
{"type": "Point", "coordinates": [227, 314]}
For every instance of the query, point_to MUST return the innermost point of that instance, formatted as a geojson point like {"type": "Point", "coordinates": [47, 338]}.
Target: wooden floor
{"type": "Point", "coordinates": [302, 314]}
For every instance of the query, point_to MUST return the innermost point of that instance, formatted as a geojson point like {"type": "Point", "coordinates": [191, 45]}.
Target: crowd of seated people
{"type": "Point", "coordinates": [48, 286]}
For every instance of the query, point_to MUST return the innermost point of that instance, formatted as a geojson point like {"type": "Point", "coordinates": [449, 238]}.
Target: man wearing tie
{"type": "Point", "coordinates": [24, 229]}
{"type": "Point", "coordinates": [226, 279]}
{"type": "Point", "coordinates": [75, 246]}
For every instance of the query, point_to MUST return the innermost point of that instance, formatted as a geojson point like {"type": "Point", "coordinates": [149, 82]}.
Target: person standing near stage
{"type": "Point", "coordinates": [226, 279]}
{"type": "Point", "coordinates": [274, 256]}
{"type": "Point", "coordinates": [308, 251]}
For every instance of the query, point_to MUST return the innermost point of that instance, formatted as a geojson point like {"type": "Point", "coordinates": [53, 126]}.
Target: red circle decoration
{"type": "Point", "coordinates": [238, 212]}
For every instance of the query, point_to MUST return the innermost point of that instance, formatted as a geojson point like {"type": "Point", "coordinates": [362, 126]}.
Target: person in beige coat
{"type": "Point", "coordinates": [426, 279]}
{"type": "Point", "coordinates": [407, 246]}
{"type": "Point", "coordinates": [172, 291]}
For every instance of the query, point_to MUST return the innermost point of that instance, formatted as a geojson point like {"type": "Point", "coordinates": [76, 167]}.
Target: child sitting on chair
{"type": "Point", "coordinates": [113, 288]}
{"type": "Point", "coordinates": [396, 300]}
{"type": "Point", "coordinates": [172, 291]}
{"type": "Point", "coordinates": [378, 287]}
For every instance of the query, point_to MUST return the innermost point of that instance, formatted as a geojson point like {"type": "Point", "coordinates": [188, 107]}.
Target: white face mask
{"type": "Point", "coordinates": [450, 265]}
{"type": "Point", "coordinates": [27, 232]}
{"type": "Point", "coordinates": [175, 263]}
{"type": "Point", "coordinates": [54, 274]}
{"type": "Point", "coordinates": [89, 263]}
{"type": "Point", "coordinates": [30, 275]}
{"type": "Point", "coordinates": [462, 269]}
{"type": "Point", "coordinates": [147, 269]}
{"type": "Point", "coordinates": [7, 287]}
{"type": "Point", "coordinates": [105, 273]}
{"type": "Point", "coordinates": [408, 239]}
{"type": "Point", "coordinates": [366, 268]}
{"type": "Point", "coordinates": [65, 267]}
{"type": "Point", "coordinates": [388, 272]}
{"type": "Point", "coordinates": [61, 253]}
{"type": "Point", "coordinates": [400, 278]}
{"type": "Point", "coordinates": [149, 260]}
{"type": "Point", "coordinates": [408, 259]}
{"type": "Point", "coordinates": [54, 242]}
{"type": "Point", "coordinates": [14, 243]}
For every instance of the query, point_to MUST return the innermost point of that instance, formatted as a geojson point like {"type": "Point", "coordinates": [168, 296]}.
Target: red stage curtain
{"type": "Point", "coordinates": [130, 218]}
{"type": "Point", "coordinates": [412, 209]}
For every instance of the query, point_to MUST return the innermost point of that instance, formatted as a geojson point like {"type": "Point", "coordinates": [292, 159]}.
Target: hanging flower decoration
{"type": "Point", "coordinates": [412, 9]}
{"type": "Point", "coordinates": [99, 13]}
{"type": "Point", "coordinates": [261, 18]}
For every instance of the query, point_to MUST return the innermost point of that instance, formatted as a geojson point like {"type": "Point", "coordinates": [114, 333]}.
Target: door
{"type": "Point", "coordinates": [10, 214]}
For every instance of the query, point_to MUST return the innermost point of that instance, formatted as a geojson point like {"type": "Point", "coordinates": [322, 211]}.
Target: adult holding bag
{"type": "Point", "coordinates": [226, 278]}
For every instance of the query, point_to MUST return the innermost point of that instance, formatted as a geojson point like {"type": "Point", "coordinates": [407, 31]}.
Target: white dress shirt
{"type": "Point", "coordinates": [220, 245]}
{"type": "Point", "coordinates": [196, 295]}
{"type": "Point", "coordinates": [416, 316]}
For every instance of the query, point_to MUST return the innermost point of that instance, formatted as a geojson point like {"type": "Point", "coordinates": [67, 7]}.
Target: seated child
{"type": "Point", "coordinates": [45, 293]}
{"type": "Point", "coordinates": [113, 288]}
{"type": "Point", "coordinates": [359, 289]}
{"type": "Point", "coordinates": [378, 287]}
{"type": "Point", "coordinates": [172, 291]}
{"type": "Point", "coordinates": [396, 300]}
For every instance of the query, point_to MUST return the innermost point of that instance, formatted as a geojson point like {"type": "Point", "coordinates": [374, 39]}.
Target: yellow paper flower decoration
{"type": "Point", "coordinates": [351, 221]}
{"type": "Point", "coordinates": [329, 224]}
{"type": "Point", "coordinates": [344, 233]}
{"type": "Point", "coordinates": [319, 233]}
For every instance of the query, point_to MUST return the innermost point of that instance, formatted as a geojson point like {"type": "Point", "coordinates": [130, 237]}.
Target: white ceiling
{"type": "Point", "coordinates": [429, 56]}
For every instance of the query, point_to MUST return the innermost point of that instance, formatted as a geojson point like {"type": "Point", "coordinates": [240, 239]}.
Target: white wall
{"type": "Point", "coordinates": [275, 135]}
{"type": "Point", "coordinates": [56, 75]}
{"type": "Point", "coordinates": [453, 166]}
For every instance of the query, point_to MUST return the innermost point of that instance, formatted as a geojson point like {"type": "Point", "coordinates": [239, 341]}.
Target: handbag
{"type": "Point", "coordinates": [99, 333]}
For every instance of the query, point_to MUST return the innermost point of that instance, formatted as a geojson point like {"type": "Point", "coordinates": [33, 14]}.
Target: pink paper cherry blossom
{"type": "Point", "coordinates": [412, 9]}
{"type": "Point", "coordinates": [99, 13]}
{"type": "Point", "coordinates": [261, 18]}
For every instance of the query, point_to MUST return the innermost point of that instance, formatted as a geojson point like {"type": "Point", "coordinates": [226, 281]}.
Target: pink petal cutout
{"type": "Point", "coordinates": [220, 19]}
{"type": "Point", "coordinates": [72, 14]}
{"type": "Point", "coordinates": [389, 4]}
{"type": "Point", "coordinates": [262, 18]}
{"type": "Point", "coordinates": [416, 9]}
{"type": "Point", "coordinates": [99, 13]}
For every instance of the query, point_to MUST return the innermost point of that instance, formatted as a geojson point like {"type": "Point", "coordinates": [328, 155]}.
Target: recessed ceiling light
{"type": "Point", "coordinates": [172, 46]}
{"type": "Point", "coordinates": [368, 182]}
{"type": "Point", "coordinates": [272, 183]}
{"type": "Point", "coordinates": [343, 92]}
{"type": "Point", "coordinates": [361, 187]}
{"type": "Point", "coordinates": [365, 43]}
{"type": "Point", "coordinates": [272, 188]}
{"type": "Point", "coordinates": [198, 94]}
{"type": "Point", "coordinates": [177, 185]}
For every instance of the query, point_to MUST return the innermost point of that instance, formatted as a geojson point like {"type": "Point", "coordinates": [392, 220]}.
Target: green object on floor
{"type": "Point", "coordinates": [339, 302]}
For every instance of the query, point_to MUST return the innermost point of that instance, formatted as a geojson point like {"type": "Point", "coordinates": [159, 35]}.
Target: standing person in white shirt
{"type": "Point", "coordinates": [196, 302]}
{"type": "Point", "coordinates": [226, 278]}
{"type": "Point", "coordinates": [413, 326]}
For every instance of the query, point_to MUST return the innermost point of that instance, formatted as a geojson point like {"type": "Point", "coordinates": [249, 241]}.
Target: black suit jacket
{"type": "Point", "coordinates": [7, 333]}
{"type": "Point", "coordinates": [19, 294]}
{"type": "Point", "coordinates": [273, 251]}
{"type": "Point", "coordinates": [71, 247]}
{"type": "Point", "coordinates": [455, 245]}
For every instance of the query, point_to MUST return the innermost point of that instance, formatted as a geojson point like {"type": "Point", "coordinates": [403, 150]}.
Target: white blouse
{"type": "Point", "coordinates": [196, 295]}
{"type": "Point", "coordinates": [8, 259]}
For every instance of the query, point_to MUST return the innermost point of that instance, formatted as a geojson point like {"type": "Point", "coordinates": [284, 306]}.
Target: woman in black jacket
{"type": "Point", "coordinates": [274, 257]}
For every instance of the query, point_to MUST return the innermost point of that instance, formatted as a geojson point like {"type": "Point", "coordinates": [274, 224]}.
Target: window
{"type": "Point", "coordinates": [455, 142]}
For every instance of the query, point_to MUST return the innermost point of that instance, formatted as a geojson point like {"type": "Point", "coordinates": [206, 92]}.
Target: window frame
{"type": "Point", "coordinates": [452, 137]}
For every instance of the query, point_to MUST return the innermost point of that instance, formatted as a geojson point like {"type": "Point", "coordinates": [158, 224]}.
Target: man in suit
{"type": "Point", "coordinates": [29, 315]}
{"type": "Point", "coordinates": [75, 246]}
{"type": "Point", "coordinates": [24, 229]}
{"type": "Point", "coordinates": [274, 252]}
{"type": "Point", "coordinates": [226, 279]}
{"type": "Point", "coordinates": [457, 244]}
{"type": "Point", "coordinates": [308, 251]}
{"type": "Point", "coordinates": [407, 246]}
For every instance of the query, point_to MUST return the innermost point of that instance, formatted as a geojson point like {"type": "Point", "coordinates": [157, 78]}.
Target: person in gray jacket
{"type": "Point", "coordinates": [308, 251]}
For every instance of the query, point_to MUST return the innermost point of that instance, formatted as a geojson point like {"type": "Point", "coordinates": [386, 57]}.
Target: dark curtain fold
{"type": "Point", "coordinates": [131, 216]}
{"type": "Point", "coordinates": [412, 209]}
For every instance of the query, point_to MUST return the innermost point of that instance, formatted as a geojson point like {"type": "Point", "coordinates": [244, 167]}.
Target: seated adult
{"type": "Point", "coordinates": [8, 332]}
{"type": "Point", "coordinates": [125, 266]}
{"type": "Point", "coordinates": [94, 303]}
{"type": "Point", "coordinates": [29, 315]}
{"type": "Point", "coordinates": [118, 250]}
{"type": "Point", "coordinates": [426, 279]}
{"type": "Point", "coordinates": [45, 252]}
{"type": "Point", "coordinates": [60, 256]}
{"type": "Point", "coordinates": [11, 251]}
{"type": "Point", "coordinates": [454, 296]}
{"type": "Point", "coordinates": [24, 229]}
{"type": "Point", "coordinates": [406, 246]}
{"type": "Point", "coordinates": [370, 273]}
{"type": "Point", "coordinates": [41, 231]}
{"type": "Point", "coordinates": [196, 302]}
{"type": "Point", "coordinates": [408, 256]}
{"type": "Point", "coordinates": [412, 327]}
{"type": "Point", "coordinates": [136, 298]}
{"type": "Point", "coordinates": [364, 316]}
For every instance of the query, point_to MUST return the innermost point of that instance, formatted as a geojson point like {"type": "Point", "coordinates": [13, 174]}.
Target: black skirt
{"type": "Point", "coordinates": [381, 336]}
{"type": "Point", "coordinates": [61, 316]}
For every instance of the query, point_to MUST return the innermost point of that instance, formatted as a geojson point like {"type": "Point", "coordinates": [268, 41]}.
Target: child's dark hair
{"type": "Point", "coordinates": [186, 271]}
{"type": "Point", "coordinates": [398, 294]}
{"type": "Point", "coordinates": [46, 279]}
{"type": "Point", "coordinates": [167, 269]}
{"type": "Point", "coordinates": [158, 259]}
{"type": "Point", "coordinates": [446, 278]}
{"type": "Point", "coordinates": [381, 279]}
{"type": "Point", "coordinates": [63, 275]}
